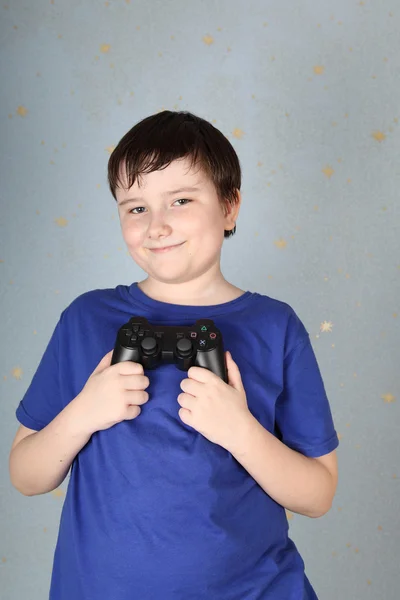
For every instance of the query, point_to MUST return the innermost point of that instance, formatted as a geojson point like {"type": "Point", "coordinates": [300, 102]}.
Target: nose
{"type": "Point", "coordinates": [158, 226]}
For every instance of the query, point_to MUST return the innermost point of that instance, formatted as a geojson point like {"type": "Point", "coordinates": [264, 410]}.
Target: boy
{"type": "Point", "coordinates": [179, 481]}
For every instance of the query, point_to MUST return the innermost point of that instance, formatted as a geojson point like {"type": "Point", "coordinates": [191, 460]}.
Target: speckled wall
{"type": "Point", "coordinates": [308, 93]}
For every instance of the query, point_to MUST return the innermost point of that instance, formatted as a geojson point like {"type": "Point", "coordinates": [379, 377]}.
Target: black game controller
{"type": "Point", "coordinates": [198, 345]}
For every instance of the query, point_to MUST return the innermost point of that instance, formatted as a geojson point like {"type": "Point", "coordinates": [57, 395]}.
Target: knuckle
{"type": "Point", "coordinates": [127, 367]}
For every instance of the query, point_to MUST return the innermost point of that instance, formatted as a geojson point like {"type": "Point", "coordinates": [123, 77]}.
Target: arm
{"type": "Point", "coordinates": [40, 460]}
{"type": "Point", "coordinates": [301, 484]}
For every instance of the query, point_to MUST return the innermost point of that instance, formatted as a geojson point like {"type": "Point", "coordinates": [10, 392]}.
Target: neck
{"type": "Point", "coordinates": [207, 289]}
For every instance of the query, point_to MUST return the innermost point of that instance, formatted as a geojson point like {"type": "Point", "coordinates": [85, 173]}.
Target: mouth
{"type": "Point", "coordinates": [165, 249]}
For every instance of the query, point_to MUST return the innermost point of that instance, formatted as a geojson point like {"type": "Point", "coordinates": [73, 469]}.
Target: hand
{"type": "Point", "coordinates": [113, 393]}
{"type": "Point", "coordinates": [214, 408]}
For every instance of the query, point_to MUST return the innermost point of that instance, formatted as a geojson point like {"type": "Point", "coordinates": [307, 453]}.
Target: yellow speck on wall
{"type": "Point", "coordinates": [105, 48]}
{"type": "Point", "coordinates": [319, 69]}
{"type": "Point", "coordinates": [326, 326]}
{"type": "Point", "coordinates": [281, 243]}
{"type": "Point", "coordinates": [388, 398]}
{"type": "Point", "coordinates": [379, 136]}
{"type": "Point", "coordinates": [17, 373]}
{"type": "Point", "coordinates": [238, 133]}
{"type": "Point", "coordinates": [328, 171]}
{"type": "Point", "coordinates": [21, 111]}
{"type": "Point", "coordinates": [208, 39]}
{"type": "Point", "coordinates": [61, 221]}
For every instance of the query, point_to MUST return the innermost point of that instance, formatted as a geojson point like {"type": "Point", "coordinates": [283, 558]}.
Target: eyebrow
{"type": "Point", "coordinates": [169, 193]}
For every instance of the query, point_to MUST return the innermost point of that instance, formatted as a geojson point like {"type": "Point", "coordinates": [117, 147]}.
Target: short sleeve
{"type": "Point", "coordinates": [42, 400]}
{"type": "Point", "coordinates": [303, 416]}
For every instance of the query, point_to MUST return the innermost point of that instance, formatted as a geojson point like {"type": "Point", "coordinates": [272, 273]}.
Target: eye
{"type": "Point", "coordinates": [185, 200]}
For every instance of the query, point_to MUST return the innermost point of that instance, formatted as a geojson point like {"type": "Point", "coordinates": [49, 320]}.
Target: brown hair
{"type": "Point", "coordinates": [159, 139]}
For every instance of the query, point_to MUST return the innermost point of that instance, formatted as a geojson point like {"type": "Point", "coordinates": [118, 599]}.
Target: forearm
{"type": "Point", "coordinates": [299, 483]}
{"type": "Point", "coordinates": [40, 462]}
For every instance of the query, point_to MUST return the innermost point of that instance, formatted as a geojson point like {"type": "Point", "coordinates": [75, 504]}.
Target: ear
{"type": "Point", "coordinates": [232, 211]}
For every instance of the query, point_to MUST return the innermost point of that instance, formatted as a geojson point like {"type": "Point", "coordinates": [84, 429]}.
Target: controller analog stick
{"type": "Point", "coordinates": [184, 347]}
{"type": "Point", "coordinates": [149, 344]}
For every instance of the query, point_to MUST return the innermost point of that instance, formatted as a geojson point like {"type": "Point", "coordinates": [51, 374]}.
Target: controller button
{"type": "Point", "coordinates": [149, 345]}
{"type": "Point", "coordinates": [203, 343]}
{"type": "Point", "coordinates": [213, 336]}
{"type": "Point", "coordinates": [193, 334]}
{"type": "Point", "coordinates": [184, 347]}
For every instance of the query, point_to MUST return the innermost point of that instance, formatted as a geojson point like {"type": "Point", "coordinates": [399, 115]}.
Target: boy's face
{"type": "Point", "coordinates": [157, 218]}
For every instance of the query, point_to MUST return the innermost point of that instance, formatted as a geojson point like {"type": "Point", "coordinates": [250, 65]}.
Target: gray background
{"type": "Point", "coordinates": [308, 94]}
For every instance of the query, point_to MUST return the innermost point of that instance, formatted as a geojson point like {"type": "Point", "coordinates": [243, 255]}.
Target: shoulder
{"type": "Point", "coordinates": [282, 318]}
{"type": "Point", "coordinates": [281, 313]}
{"type": "Point", "coordinates": [93, 302]}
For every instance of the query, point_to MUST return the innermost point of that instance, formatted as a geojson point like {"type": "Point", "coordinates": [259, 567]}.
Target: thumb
{"type": "Point", "coordinates": [104, 363]}
{"type": "Point", "coordinates": [234, 377]}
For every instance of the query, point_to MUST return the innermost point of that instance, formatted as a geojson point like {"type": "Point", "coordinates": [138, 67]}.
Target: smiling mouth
{"type": "Point", "coordinates": [165, 249]}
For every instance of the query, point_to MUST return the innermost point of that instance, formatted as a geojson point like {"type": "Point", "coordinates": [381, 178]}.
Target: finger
{"type": "Point", "coordinates": [191, 386]}
{"type": "Point", "coordinates": [128, 367]}
{"type": "Point", "coordinates": [104, 363]}
{"type": "Point", "coordinates": [186, 401]}
{"type": "Point", "coordinates": [132, 412]}
{"type": "Point", "coordinates": [135, 397]}
{"type": "Point", "coordinates": [135, 382]}
{"type": "Point", "coordinates": [201, 374]}
{"type": "Point", "coordinates": [234, 376]}
{"type": "Point", "coordinates": [185, 416]}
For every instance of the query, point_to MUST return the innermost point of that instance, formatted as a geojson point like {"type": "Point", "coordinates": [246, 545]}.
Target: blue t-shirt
{"type": "Point", "coordinates": [153, 510]}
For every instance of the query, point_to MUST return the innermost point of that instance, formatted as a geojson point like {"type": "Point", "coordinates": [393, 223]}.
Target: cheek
{"type": "Point", "coordinates": [132, 233]}
{"type": "Point", "coordinates": [204, 222]}
{"type": "Point", "coordinates": [212, 226]}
